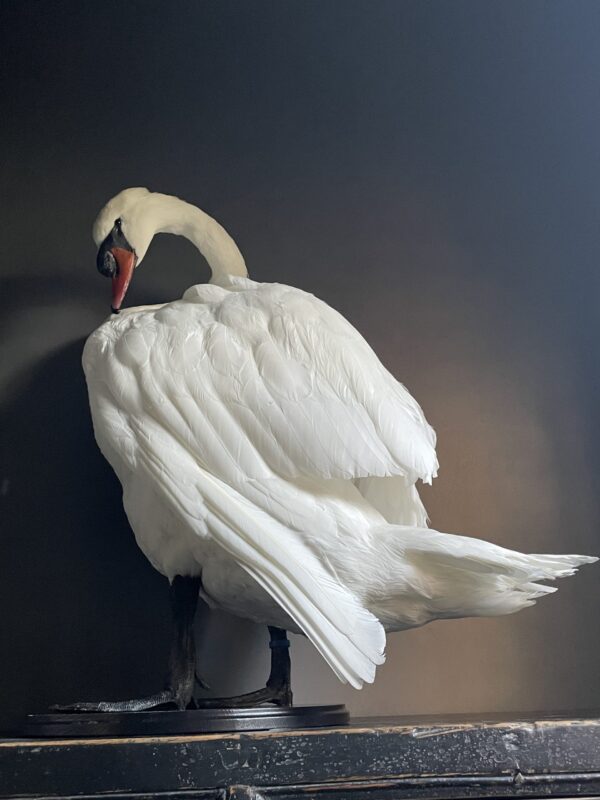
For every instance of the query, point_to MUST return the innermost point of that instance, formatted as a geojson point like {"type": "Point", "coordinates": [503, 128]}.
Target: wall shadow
{"type": "Point", "coordinates": [85, 615]}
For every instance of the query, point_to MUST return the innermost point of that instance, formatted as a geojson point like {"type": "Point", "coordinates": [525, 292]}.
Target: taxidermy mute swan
{"type": "Point", "coordinates": [269, 462]}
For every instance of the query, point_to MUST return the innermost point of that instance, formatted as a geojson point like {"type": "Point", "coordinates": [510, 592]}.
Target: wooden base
{"type": "Point", "coordinates": [165, 723]}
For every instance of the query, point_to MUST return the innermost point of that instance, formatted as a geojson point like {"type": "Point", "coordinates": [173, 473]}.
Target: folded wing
{"type": "Point", "coordinates": [264, 381]}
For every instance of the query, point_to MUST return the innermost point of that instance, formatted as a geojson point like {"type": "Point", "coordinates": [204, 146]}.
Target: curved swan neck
{"type": "Point", "coordinates": [172, 215]}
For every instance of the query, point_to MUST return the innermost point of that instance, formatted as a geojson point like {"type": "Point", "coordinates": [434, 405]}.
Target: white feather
{"type": "Point", "coordinates": [261, 443]}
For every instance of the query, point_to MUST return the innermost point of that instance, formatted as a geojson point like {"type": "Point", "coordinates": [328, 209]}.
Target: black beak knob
{"type": "Point", "coordinates": [106, 263]}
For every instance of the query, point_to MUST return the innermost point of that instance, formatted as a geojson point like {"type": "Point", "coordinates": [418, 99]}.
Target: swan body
{"type": "Point", "coordinates": [263, 447]}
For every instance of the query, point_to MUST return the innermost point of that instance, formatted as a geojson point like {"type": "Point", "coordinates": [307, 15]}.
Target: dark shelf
{"type": "Point", "coordinates": [424, 757]}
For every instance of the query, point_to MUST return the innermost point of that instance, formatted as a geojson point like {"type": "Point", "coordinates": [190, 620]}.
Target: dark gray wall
{"type": "Point", "coordinates": [430, 169]}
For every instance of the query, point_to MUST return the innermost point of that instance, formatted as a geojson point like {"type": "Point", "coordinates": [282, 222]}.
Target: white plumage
{"type": "Point", "coordinates": [262, 445]}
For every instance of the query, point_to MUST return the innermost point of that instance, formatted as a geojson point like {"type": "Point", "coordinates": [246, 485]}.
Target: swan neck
{"type": "Point", "coordinates": [212, 240]}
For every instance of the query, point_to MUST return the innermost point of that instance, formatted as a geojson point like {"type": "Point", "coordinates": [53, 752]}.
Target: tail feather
{"type": "Point", "coordinates": [441, 576]}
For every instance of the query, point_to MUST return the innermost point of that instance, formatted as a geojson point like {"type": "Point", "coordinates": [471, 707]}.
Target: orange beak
{"type": "Point", "coordinates": [120, 283]}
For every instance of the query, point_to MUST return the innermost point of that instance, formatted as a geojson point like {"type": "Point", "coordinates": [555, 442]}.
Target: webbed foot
{"type": "Point", "coordinates": [278, 689]}
{"type": "Point", "coordinates": [182, 660]}
{"type": "Point", "coordinates": [180, 699]}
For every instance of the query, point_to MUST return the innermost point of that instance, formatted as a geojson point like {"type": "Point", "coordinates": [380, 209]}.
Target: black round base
{"type": "Point", "coordinates": [165, 723]}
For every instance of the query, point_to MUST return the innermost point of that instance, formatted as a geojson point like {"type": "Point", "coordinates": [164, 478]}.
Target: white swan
{"type": "Point", "coordinates": [266, 453]}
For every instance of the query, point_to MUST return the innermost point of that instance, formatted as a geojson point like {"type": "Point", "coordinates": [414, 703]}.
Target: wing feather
{"type": "Point", "coordinates": [348, 636]}
{"type": "Point", "coordinates": [292, 388]}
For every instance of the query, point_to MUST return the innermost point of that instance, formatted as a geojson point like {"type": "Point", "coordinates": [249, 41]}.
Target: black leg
{"type": "Point", "coordinates": [280, 678]}
{"type": "Point", "coordinates": [278, 689]}
{"type": "Point", "coordinates": [179, 685]}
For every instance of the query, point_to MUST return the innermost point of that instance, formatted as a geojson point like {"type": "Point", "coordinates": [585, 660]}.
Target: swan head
{"type": "Point", "coordinates": [126, 225]}
{"type": "Point", "coordinates": [122, 232]}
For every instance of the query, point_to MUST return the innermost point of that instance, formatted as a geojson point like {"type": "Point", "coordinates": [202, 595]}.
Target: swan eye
{"type": "Point", "coordinates": [118, 224]}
